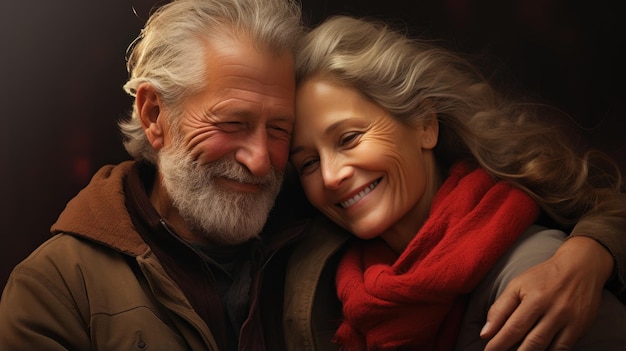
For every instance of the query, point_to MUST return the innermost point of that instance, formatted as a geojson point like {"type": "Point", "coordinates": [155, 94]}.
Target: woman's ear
{"type": "Point", "coordinates": [430, 128]}
{"type": "Point", "coordinates": [149, 110]}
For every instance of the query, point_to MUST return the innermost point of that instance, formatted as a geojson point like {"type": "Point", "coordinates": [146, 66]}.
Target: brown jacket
{"type": "Point", "coordinates": [96, 285]}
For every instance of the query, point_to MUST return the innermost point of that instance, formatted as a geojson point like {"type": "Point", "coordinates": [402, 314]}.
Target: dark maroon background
{"type": "Point", "coordinates": [63, 68]}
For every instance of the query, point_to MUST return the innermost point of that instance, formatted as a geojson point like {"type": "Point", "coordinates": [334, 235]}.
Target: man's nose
{"type": "Point", "coordinates": [254, 153]}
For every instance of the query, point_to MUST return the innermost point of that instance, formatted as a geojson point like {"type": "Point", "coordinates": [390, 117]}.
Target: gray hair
{"type": "Point", "coordinates": [169, 52]}
{"type": "Point", "coordinates": [413, 79]}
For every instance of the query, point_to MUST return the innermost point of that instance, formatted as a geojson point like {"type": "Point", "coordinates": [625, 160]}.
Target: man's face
{"type": "Point", "coordinates": [225, 170]}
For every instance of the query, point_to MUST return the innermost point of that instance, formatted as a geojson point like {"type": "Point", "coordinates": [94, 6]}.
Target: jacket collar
{"type": "Point", "coordinates": [98, 212]}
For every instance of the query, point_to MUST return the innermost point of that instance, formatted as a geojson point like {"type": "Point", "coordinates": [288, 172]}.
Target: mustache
{"type": "Point", "coordinates": [231, 169]}
{"type": "Point", "coordinates": [197, 174]}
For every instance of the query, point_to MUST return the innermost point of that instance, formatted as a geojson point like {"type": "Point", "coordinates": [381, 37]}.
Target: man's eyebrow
{"type": "Point", "coordinates": [247, 114]}
{"type": "Point", "coordinates": [231, 111]}
{"type": "Point", "coordinates": [282, 117]}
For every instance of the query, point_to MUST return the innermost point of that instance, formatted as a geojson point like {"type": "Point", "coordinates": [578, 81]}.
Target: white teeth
{"type": "Point", "coordinates": [357, 197]}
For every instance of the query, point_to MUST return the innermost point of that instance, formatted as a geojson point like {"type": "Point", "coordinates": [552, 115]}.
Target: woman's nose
{"type": "Point", "coordinates": [335, 172]}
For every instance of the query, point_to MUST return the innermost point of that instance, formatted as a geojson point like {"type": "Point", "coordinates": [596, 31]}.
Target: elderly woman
{"type": "Point", "coordinates": [444, 182]}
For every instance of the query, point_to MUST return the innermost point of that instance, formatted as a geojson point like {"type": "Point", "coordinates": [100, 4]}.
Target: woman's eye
{"type": "Point", "coordinates": [308, 165]}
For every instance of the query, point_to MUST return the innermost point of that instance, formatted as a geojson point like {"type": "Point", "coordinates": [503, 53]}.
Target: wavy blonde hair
{"type": "Point", "coordinates": [411, 79]}
{"type": "Point", "coordinates": [169, 52]}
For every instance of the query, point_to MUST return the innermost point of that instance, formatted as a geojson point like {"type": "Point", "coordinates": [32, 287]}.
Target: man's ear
{"type": "Point", "coordinates": [148, 103]}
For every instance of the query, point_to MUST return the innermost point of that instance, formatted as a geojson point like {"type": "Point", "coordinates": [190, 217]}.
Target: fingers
{"type": "Point", "coordinates": [516, 327]}
{"type": "Point", "coordinates": [534, 327]}
{"type": "Point", "coordinates": [500, 312]}
{"type": "Point", "coordinates": [564, 340]}
{"type": "Point", "coordinates": [552, 334]}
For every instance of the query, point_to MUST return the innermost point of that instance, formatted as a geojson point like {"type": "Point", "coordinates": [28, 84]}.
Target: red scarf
{"type": "Point", "coordinates": [416, 301]}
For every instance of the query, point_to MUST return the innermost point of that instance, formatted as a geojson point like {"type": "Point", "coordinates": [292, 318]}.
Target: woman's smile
{"type": "Point", "coordinates": [356, 198]}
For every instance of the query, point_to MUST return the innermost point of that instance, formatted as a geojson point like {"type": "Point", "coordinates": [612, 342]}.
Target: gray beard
{"type": "Point", "coordinates": [220, 214]}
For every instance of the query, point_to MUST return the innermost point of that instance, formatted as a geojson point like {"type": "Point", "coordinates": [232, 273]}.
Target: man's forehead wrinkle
{"type": "Point", "coordinates": [271, 90]}
{"type": "Point", "coordinates": [242, 76]}
{"type": "Point", "coordinates": [283, 109]}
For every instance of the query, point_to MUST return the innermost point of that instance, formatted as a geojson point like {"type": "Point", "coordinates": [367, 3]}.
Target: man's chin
{"type": "Point", "coordinates": [230, 227]}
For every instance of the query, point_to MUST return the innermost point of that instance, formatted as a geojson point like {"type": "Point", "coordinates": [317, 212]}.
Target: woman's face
{"type": "Point", "coordinates": [365, 170]}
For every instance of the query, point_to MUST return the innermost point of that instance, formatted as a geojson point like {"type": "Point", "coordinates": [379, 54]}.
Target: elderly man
{"type": "Point", "coordinates": [167, 252]}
